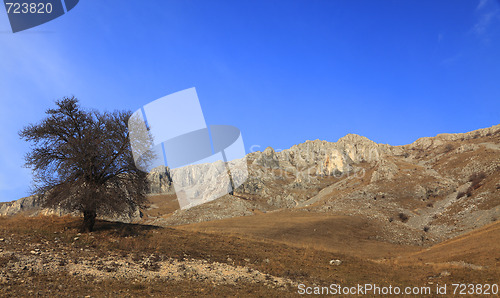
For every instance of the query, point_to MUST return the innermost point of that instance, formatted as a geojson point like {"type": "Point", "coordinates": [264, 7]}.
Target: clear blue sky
{"type": "Point", "coordinates": [281, 71]}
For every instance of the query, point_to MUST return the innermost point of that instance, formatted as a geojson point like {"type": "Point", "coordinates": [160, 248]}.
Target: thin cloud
{"type": "Point", "coordinates": [481, 4]}
{"type": "Point", "coordinates": [485, 20]}
{"type": "Point", "coordinates": [451, 60]}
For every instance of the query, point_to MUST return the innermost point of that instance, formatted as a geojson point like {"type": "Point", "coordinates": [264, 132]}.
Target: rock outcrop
{"type": "Point", "coordinates": [22, 205]}
{"type": "Point", "coordinates": [160, 181]}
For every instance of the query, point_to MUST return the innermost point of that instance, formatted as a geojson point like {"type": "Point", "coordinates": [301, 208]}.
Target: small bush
{"type": "Point", "coordinates": [426, 229]}
{"type": "Point", "coordinates": [391, 219]}
{"type": "Point", "coordinates": [403, 217]}
{"type": "Point", "coordinates": [448, 148]}
{"type": "Point", "coordinates": [476, 178]}
{"type": "Point", "coordinates": [430, 205]}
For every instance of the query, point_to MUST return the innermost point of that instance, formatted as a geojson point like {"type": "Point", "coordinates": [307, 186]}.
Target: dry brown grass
{"type": "Point", "coordinates": [479, 247]}
{"type": "Point", "coordinates": [290, 256]}
{"type": "Point", "coordinates": [161, 205]}
{"type": "Point", "coordinates": [321, 231]}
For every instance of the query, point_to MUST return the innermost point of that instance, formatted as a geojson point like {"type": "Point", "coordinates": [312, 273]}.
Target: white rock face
{"type": "Point", "coordinates": [322, 157]}
{"type": "Point", "coordinates": [160, 181]}
{"type": "Point", "coordinates": [23, 204]}
{"type": "Point", "coordinates": [440, 139]}
{"type": "Point", "coordinates": [201, 183]}
{"type": "Point", "coordinates": [360, 149]}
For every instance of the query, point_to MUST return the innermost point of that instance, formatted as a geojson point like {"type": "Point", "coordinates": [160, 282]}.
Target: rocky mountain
{"type": "Point", "coordinates": [428, 191]}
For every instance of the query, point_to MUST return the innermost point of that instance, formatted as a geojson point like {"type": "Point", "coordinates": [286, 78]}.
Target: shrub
{"type": "Point", "coordinates": [403, 217]}
{"type": "Point", "coordinates": [448, 148]}
{"type": "Point", "coordinates": [476, 178]}
{"type": "Point", "coordinates": [426, 229]}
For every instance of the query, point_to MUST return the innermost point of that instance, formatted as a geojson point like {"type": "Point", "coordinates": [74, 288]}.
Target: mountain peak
{"type": "Point", "coordinates": [354, 139]}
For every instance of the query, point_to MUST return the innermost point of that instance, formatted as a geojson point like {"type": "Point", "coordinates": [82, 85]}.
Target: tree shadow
{"type": "Point", "coordinates": [123, 229]}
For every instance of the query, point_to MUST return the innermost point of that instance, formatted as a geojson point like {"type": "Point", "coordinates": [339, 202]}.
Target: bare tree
{"type": "Point", "coordinates": [82, 161]}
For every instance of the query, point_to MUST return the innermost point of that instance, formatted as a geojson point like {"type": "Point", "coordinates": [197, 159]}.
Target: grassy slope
{"type": "Point", "coordinates": [301, 263]}
{"type": "Point", "coordinates": [322, 231]}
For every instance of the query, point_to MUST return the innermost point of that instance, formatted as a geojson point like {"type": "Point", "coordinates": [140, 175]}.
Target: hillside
{"type": "Point", "coordinates": [431, 190]}
{"type": "Point", "coordinates": [347, 212]}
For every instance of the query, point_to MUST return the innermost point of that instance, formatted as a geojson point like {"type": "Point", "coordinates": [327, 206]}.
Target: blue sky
{"type": "Point", "coordinates": [281, 71]}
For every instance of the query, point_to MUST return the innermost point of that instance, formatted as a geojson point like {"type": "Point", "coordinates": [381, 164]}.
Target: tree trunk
{"type": "Point", "coordinates": [89, 220]}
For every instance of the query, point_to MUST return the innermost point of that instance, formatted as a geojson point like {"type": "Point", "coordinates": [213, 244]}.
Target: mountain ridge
{"type": "Point", "coordinates": [424, 190]}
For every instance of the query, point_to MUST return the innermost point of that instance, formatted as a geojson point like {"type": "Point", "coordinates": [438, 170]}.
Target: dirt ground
{"type": "Point", "coordinates": [41, 256]}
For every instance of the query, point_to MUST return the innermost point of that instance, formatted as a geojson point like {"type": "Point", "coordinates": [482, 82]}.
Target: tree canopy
{"type": "Point", "coordinates": [82, 161]}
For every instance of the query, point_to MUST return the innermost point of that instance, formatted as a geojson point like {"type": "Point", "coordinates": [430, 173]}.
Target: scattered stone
{"type": "Point", "coordinates": [335, 262]}
{"type": "Point", "coordinates": [445, 273]}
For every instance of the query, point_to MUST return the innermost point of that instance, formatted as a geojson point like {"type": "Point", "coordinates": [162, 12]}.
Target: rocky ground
{"type": "Point", "coordinates": [46, 256]}
{"type": "Point", "coordinates": [47, 259]}
{"type": "Point", "coordinates": [28, 255]}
